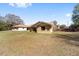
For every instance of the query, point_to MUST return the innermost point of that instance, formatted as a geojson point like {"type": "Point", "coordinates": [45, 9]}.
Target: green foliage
{"type": "Point", "coordinates": [8, 21]}
{"type": "Point", "coordinates": [75, 19]}
{"type": "Point", "coordinates": [62, 26]}
{"type": "Point", "coordinates": [3, 25]}
{"type": "Point", "coordinates": [75, 16]}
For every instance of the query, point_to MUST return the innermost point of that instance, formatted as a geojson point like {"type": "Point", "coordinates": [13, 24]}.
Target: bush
{"type": "Point", "coordinates": [3, 26]}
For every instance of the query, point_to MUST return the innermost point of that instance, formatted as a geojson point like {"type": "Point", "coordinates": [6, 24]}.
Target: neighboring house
{"type": "Point", "coordinates": [43, 27]}
{"type": "Point", "coordinates": [19, 28]}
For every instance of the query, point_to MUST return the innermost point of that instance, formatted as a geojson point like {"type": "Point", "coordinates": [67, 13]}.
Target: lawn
{"type": "Point", "coordinates": [38, 44]}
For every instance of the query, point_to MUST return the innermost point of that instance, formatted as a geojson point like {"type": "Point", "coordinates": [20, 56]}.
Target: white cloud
{"type": "Point", "coordinates": [23, 5]}
{"type": "Point", "coordinates": [11, 4]}
{"type": "Point", "coordinates": [68, 15]}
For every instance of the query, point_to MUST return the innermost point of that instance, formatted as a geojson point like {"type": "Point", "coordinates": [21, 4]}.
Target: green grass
{"type": "Point", "coordinates": [30, 43]}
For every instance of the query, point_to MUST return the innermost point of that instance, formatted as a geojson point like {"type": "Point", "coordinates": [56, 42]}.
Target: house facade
{"type": "Point", "coordinates": [44, 27]}
{"type": "Point", "coordinates": [39, 27]}
{"type": "Point", "coordinates": [19, 28]}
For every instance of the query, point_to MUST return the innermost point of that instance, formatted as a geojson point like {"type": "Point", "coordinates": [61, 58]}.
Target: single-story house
{"type": "Point", "coordinates": [43, 27]}
{"type": "Point", "coordinates": [20, 27]}
{"type": "Point", "coordinates": [39, 27]}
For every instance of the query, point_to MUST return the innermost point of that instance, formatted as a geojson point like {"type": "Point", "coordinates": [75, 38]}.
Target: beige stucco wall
{"type": "Point", "coordinates": [44, 31]}
{"type": "Point", "coordinates": [20, 29]}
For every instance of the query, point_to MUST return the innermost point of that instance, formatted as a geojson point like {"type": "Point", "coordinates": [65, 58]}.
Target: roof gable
{"type": "Point", "coordinates": [41, 24]}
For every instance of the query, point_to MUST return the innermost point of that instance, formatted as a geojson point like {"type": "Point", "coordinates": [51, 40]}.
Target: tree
{"type": "Point", "coordinates": [55, 22]}
{"type": "Point", "coordinates": [63, 27]}
{"type": "Point", "coordinates": [12, 20]}
{"type": "Point", "coordinates": [1, 18]}
{"type": "Point", "coordinates": [75, 15]}
{"type": "Point", "coordinates": [3, 25]}
{"type": "Point", "coordinates": [7, 22]}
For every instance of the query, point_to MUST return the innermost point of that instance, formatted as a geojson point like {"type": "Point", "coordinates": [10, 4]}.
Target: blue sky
{"type": "Point", "coordinates": [31, 13]}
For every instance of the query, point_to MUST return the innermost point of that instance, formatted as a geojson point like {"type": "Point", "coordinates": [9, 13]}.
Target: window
{"type": "Point", "coordinates": [42, 28]}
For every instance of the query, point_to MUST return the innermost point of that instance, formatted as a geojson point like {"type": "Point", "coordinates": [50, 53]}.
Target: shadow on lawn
{"type": "Point", "coordinates": [69, 38]}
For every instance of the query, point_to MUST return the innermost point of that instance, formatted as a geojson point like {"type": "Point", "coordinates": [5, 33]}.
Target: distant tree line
{"type": "Point", "coordinates": [7, 22]}
{"type": "Point", "coordinates": [75, 19]}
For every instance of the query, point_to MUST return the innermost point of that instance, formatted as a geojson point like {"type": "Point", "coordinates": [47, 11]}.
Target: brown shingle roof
{"type": "Point", "coordinates": [20, 26]}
